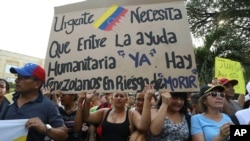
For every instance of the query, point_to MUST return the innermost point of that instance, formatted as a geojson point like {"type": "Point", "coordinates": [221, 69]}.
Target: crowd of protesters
{"type": "Point", "coordinates": [146, 116]}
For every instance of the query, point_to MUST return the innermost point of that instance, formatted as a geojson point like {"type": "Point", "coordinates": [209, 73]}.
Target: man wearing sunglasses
{"type": "Point", "coordinates": [231, 106]}
{"type": "Point", "coordinates": [29, 103]}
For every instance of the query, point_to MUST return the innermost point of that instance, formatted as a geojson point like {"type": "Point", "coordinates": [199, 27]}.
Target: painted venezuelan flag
{"type": "Point", "coordinates": [110, 18]}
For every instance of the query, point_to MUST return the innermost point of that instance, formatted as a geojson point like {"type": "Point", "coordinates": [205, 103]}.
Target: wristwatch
{"type": "Point", "coordinates": [48, 128]}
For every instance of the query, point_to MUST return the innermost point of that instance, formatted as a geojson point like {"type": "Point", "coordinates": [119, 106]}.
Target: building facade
{"type": "Point", "coordinates": [10, 59]}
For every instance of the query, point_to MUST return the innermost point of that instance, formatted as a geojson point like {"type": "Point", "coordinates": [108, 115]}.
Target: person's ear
{"type": "Point", "coordinates": [38, 84]}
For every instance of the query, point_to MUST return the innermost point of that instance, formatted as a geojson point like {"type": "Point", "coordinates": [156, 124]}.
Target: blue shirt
{"type": "Point", "coordinates": [200, 124]}
{"type": "Point", "coordinates": [41, 107]}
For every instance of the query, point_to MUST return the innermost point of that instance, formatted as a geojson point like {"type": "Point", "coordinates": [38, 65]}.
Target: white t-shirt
{"type": "Point", "coordinates": [243, 116]}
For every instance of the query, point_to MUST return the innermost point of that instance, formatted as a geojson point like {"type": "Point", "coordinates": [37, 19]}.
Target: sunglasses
{"type": "Point", "coordinates": [20, 77]}
{"type": "Point", "coordinates": [214, 94]}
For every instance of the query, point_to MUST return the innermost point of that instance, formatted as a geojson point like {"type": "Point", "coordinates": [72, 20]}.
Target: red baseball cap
{"type": "Point", "coordinates": [224, 81]}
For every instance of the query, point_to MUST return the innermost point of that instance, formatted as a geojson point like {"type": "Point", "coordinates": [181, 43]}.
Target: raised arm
{"type": "Point", "coordinates": [142, 122]}
{"type": "Point", "coordinates": [158, 117]}
{"type": "Point", "coordinates": [241, 100]}
{"type": "Point", "coordinates": [86, 106]}
{"type": "Point", "coordinates": [94, 117]}
{"type": "Point", "coordinates": [52, 95]}
{"type": "Point", "coordinates": [78, 118]}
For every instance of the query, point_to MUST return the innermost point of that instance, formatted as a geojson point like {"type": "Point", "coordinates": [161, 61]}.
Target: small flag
{"type": "Point", "coordinates": [109, 19]}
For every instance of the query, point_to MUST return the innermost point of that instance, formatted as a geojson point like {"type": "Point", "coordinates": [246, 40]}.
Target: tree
{"type": "Point", "coordinates": [205, 56]}
{"type": "Point", "coordinates": [205, 15]}
{"type": "Point", "coordinates": [225, 27]}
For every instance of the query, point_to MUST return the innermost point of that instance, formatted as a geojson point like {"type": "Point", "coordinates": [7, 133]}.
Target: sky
{"type": "Point", "coordinates": [26, 24]}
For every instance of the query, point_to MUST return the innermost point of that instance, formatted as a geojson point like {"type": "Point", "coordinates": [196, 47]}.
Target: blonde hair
{"type": "Point", "coordinates": [201, 103]}
{"type": "Point", "coordinates": [94, 100]}
{"type": "Point", "coordinates": [124, 93]}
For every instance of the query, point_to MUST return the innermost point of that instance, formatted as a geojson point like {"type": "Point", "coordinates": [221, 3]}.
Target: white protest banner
{"type": "Point", "coordinates": [13, 130]}
{"type": "Point", "coordinates": [119, 45]}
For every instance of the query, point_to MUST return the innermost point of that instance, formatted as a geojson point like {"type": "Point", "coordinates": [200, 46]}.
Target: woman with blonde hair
{"type": "Point", "coordinates": [211, 124]}
{"type": "Point", "coordinates": [117, 122]}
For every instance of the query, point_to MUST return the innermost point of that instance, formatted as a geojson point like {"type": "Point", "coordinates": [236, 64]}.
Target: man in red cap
{"type": "Point", "coordinates": [29, 103]}
{"type": "Point", "coordinates": [231, 106]}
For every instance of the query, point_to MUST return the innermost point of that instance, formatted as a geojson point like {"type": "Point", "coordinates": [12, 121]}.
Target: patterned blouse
{"type": "Point", "coordinates": [172, 131]}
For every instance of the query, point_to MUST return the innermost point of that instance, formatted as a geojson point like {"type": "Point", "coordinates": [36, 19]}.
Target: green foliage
{"type": "Point", "coordinates": [205, 16]}
{"type": "Point", "coordinates": [227, 39]}
{"type": "Point", "coordinates": [12, 85]}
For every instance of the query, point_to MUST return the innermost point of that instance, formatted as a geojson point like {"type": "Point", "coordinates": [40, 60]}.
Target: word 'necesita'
{"type": "Point", "coordinates": [151, 15]}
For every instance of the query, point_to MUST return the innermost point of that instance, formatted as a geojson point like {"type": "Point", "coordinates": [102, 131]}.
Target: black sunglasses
{"type": "Point", "coordinates": [214, 94]}
{"type": "Point", "coordinates": [20, 77]}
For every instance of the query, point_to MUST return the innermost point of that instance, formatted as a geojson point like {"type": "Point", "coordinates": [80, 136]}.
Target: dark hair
{"type": "Point", "coordinates": [182, 95]}
{"type": "Point", "coordinates": [137, 93]}
{"type": "Point", "coordinates": [195, 98]}
{"type": "Point", "coordinates": [7, 85]}
{"type": "Point", "coordinates": [183, 110]}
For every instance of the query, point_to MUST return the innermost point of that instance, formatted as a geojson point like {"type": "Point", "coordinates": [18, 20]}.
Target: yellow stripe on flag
{"type": "Point", "coordinates": [22, 138]}
{"type": "Point", "coordinates": [104, 16]}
